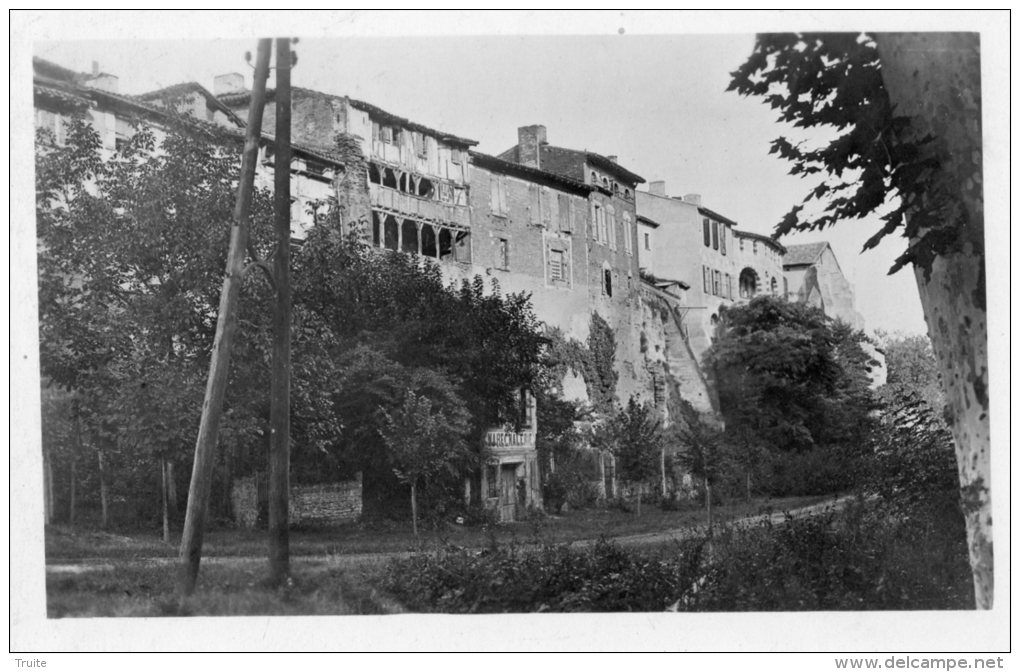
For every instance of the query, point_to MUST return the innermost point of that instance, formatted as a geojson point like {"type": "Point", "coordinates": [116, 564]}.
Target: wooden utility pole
{"type": "Point", "coordinates": [279, 407]}
{"type": "Point", "coordinates": [226, 325]}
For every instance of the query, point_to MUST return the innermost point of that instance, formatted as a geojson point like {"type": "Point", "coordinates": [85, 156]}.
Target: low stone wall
{"type": "Point", "coordinates": [326, 504]}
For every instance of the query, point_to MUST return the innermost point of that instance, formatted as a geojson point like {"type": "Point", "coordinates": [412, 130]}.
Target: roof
{"type": "Point", "coordinates": [382, 115]}
{"type": "Point", "coordinates": [803, 255]}
{"type": "Point", "coordinates": [650, 222]}
{"type": "Point", "coordinates": [176, 91]}
{"type": "Point", "coordinates": [570, 162]}
{"type": "Point", "coordinates": [768, 240]}
{"type": "Point", "coordinates": [715, 215]}
{"type": "Point", "coordinates": [526, 172]}
{"type": "Point", "coordinates": [66, 88]}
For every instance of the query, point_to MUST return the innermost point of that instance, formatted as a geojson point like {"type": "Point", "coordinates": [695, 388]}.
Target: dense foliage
{"type": "Point", "coordinates": [795, 383]}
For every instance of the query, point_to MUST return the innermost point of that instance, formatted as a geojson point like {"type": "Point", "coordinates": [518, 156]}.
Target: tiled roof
{"type": "Point", "coordinates": [377, 112]}
{"type": "Point", "coordinates": [716, 216]}
{"type": "Point", "coordinates": [527, 172]}
{"type": "Point", "coordinates": [46, 85]}
{"type": "Point", "coordinates": [805, 254]}
{"type": "Point", "coordinates": [174, 91]}
{"type": "Point", "coordinates": [570, 162]}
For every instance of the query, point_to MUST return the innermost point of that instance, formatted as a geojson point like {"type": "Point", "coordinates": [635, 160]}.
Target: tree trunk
{"type": "Point", "coordinates": [166, 501]}
{"type": "Point", "coordinates": [226, 324]}
{"type": "Point", "coordinates": [171, 488]}
{"type": "Point", "coordinates": [74, 498]}
{"type": "Point", "coordinates": [279, 457]}
{"type": "Point", "coordinates": [662, 468]}
{"type": "Point", "coordinates": [414, 509]}
{"type": "Point", "coordinates": [935, 79]}
{"type": "Point", "coordinates": [708, 504]}
{"type": "Point", "coordinates": [48, 486]}
{"type": "Point", "coordinates": [104, 494]}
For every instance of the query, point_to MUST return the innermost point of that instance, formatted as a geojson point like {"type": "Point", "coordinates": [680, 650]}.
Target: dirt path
{"type": "Point", "coordinates": [362, 559]}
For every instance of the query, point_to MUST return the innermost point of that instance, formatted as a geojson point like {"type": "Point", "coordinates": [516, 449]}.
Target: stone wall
{"type": "Point", "coordinates": [326, 504]}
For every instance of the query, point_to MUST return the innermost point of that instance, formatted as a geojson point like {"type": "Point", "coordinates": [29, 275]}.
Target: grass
{"type": "Point", "coordinates": [237, 589]}
{"type": "Point", "coordinates": [95, 573]}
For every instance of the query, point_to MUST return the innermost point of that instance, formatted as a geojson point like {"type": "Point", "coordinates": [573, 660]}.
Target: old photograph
{"type": "Point", "coordinates": [385, 318]}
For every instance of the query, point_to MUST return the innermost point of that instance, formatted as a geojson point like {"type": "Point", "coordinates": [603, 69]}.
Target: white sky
{"type": "Point", "coordinates": [656, 101]}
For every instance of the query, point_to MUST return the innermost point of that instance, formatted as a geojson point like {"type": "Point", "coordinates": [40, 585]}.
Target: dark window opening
{"type": "Point", "coordinates": [462, 251]}
{"type": "Point", "coordinates": [491, 481]}
{"type": "Point", "coordinates": [377, 233]}
{"type": "Point", "coordinates": [594, 178]}
{"type": "Point", "coordinates": [402, 183]}
{"type": "Point", "coordinates": [715, 235]}
{"type": "Point", "coordinates": [748, 283]}
{"type": "Point", "coordinates": [445, 244]}
{"type": "Point", "coordinates": [409, 236]}
{"type": "Point", "coordinates": [503, 254]}
{"type": "Point", "coordinates": [648, 244]}
{"type": "Point", "coordinates": [706, 228]}
{"type": "Point", "coordinates": [428, 241]}
{"type": "Point", "coordinates": [389, 178]}
{"type": "Point", "coordinates": [607, 282]}
{"type": "Point", "coordinates": [373, 174]}
{"type": "Point", "coordinates": [392, 233]}
{"type": "Point", "coordinates": [425, 188]}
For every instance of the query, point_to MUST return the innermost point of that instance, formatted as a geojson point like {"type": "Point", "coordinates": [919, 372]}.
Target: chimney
{"type": "Point", "coordinates": [232, 82]}
{"type": "Point", "coordinates": [529, 145]}
{"type": "Point", "coordinates": [657, 188]}
{"type": "Point", "coordinates": [613, 158]}
{"type": "Point", "coordinates": [694, 199]}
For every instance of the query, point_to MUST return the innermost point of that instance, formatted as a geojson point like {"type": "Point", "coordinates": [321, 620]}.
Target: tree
{"type": "Point", "coordinates": [634, 437]}
{"type": "Point", "coordinates": [907, 112]}
{"type": "Point", "coordinates": [912, 369]}
{"type": "Point", "coordinates": [130, 250]}
{"type": "Point", "coordinates": [424, 440]}
{"type": "Point", "coordinates": [789, 376]}
{"type": "Point", "coordinates": [703, 454]}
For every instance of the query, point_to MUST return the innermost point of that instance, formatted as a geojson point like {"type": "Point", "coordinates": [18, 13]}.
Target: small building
{"type": "Point", "coordinates": [813, 276]}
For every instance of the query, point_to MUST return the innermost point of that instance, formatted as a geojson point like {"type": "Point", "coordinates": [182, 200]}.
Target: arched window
{"type": "Point", "coordinates": [409, 237]}
{"type": "Point", "coordinates": [748, 283]}
{"type": "Point", "coordinates": [392, 234]}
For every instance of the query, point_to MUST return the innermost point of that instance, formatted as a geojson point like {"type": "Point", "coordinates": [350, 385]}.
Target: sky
{"type": "Point", "coordinates": [658, 102]}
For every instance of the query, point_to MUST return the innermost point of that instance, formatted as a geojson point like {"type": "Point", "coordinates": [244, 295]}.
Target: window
{"type": "Point", "coordinates": [491, 481]}
{"type": "Point", "coordinates": [648, 244]}
{"type": "Point", "coordinates": [497, 195]}
{"type": "Point", "coordinates": [600, 224]}
{"type": "Point", "coordinates": [775, 287]}
{"type": "Point", "coordinates": [722, 239]}
{"type": "Point", "coordinates": [729, 286]}
{"type": "Point", "coordinates": [607, 282]}
{"type": "Point", "coordinates": [594, 178]}
{"type": "Point", "coordinates": [707, 231]}
{"type": "Point", "coordinates": [612, 231]}
{"type": "Point", "coordinates": [717, 283]}
{"type": "Point", "coordinates": [706, 277]}
{"type": "Point", "coordinates": [628, 233]}
{"type": "Point", "coordinates": [715, 235]}
{"type": "Point", "coordinates": [557, 266]}
{"type": "Point", "coordinates": [545, 204]}
{"type": "Point", "coordinates": [503, 254]}
{"type": "Point", "coordinates": [754, 246]}
{"type": "Point", "coordinates": [741, 244]}
{"type": "Point", "coordinates": [563, 212]}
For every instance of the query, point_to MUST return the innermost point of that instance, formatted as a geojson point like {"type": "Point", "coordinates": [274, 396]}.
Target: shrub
{"type": "Point", "coordinates": [562, 578]}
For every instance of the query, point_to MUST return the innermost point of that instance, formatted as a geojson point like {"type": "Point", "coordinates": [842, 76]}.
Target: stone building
{"type": "Point", "coordinates": [813, 276]}
{"type": "Point", "coordinates": [708, 261]}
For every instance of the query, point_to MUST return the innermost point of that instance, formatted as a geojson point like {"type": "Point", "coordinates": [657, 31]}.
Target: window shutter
{"type": "Point", "coordinates": [708, 233]}
{"type": "Point", "coordinates": [563, 212]}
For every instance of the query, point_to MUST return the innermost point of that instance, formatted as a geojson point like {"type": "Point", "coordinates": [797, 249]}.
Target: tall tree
{"type": "Point", "coordinates": [634, 437]}
{"type": "Point", "coordinates": [907, 111]}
